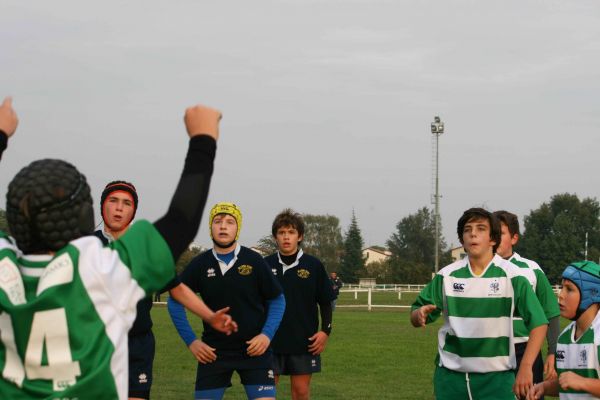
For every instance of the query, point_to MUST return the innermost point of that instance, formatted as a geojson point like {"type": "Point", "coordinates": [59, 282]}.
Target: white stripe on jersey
{"type": "Point", "coordinates": [115, 295]}
{"type": "Point", "coordinates": [480, 364]}
{"type": "Point", "coordinates": [477, 287]}
{"type": "Point", "coordinates": [481, 327]}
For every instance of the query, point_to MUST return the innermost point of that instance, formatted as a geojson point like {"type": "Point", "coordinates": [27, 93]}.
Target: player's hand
{"type": "Point", "coordinates": [536, 392]}
{"type": "Point", "coordinates": [222, 322]}
{"type": "Point", "coordinates": [8, 117]}
{"type": "Point", "coordinates": [203, 352]}
{"type": "Point", "coordinates": [419, 316]}
{"type": "Point", "coordinates": [319, 341]}
{"type": "Point", "coordinates": [523, 381]}
{"type": "Point", "coordinates": [258, 345]}
{"type": "Point", "coordinates": [570, 380]}
{"type": "Point", "coordinates": [202, 120]}
{"type": "Point", "coordinates": [549, 370]}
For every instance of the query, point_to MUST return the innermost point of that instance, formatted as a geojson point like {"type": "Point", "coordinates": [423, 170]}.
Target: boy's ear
{"type": "Point", "coordinates": [300, 238]}
{"type": "Point", "coordinates": [514, 239]}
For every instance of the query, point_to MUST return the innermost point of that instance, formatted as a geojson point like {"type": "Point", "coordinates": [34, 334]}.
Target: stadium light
{"type": "Point", "coordinates": [437, 128]}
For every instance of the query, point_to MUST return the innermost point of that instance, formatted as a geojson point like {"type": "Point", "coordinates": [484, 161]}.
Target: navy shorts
{"type": "Point", "coordinates": [141, 356]}
{"type": "Point", "coordinates": [252, 370]}
{"type": "Point", "coordinates": [296, 364]}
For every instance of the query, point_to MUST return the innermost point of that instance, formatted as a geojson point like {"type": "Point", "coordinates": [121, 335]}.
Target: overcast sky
{"type": "Point", "coordinates": [327, 104]}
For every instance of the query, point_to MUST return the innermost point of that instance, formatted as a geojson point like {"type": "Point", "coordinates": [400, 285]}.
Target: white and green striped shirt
{"type": "Point", "coordinates": [579, 355]}
{"type": "Point", "coordinates": [477, 334]}
{"type": "Point", "coordinates": [541, 286]}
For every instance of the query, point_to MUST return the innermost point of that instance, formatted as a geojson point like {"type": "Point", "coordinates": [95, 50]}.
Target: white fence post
{"type": "Point", "coordinates": [355, 294]}
{"type": "Point", "coordinates": [369, 300]}
{"type": "Point", "coordinates": [399, 294]}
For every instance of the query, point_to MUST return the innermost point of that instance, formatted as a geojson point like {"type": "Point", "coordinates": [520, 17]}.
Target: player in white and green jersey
{"type": "Point", "coordinates": [67, 302]}
{"type": "Point", "coordinates": [477, 296]}
{"type": "Point", "coordinates": [510, 232]}
{"type": "Point", "coordinates": [578, 349]}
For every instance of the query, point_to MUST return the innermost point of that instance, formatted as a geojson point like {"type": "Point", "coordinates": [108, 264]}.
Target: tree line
{"type": "Point", "coordinates": [554, 235]}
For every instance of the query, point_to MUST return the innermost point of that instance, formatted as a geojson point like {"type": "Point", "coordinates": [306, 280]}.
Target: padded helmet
{"type": "Point", "coordinates": [586, 276]}
{"type": "Point", "coordinates": [226, 208]}
{"type": "Point", "coordinates": [48, 204]}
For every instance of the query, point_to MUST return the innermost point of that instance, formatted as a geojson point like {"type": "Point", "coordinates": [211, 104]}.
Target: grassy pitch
{"type": "Point", "coordinates": [370, 355]}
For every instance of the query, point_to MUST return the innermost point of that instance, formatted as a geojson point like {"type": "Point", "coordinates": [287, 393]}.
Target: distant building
{"type": "Point", "coordinates": [457, 253]}
{"type": "Point", "coordinates": [374, 254]}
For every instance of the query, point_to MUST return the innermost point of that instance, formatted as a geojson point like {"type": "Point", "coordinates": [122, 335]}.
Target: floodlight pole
{"type": "Point", "coordinates": [437, 128]}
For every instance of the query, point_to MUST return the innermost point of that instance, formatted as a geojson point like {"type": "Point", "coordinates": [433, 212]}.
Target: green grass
{"type": "Point", "coordinates": [370, 355]}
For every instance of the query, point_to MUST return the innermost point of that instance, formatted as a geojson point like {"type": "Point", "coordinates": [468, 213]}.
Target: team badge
{"type": "Point", "coordinates": [245, 269]}
{"type": "Point", "coordinates": [270, 374]}
{"type": "Point", "coordinates": [274, 271]}
{"type": "Point", "coordinates": [302, 273]}
{"type": "Point", "coordinates": [210, 272]}
{"type": "Point", "coordinates": [583, 358]}
{"type": "Point", "coordinates": [494, 288]}
{"type": "Point", "coordinates": [143, 378]}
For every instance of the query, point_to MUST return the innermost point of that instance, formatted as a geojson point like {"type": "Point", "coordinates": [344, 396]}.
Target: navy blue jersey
{"type": "Point", "coordinates": [305, 285]}
{"type": "Point", "coordinates": [245, 287]}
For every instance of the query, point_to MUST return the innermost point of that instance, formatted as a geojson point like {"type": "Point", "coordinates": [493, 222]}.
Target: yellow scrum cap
{"type": "Point", "coordinates": [226, 208]}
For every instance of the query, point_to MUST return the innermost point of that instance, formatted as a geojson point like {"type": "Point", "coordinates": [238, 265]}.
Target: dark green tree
{"type": "Point", "coordinates": [323, 239]}
{"type": "Point", "coordinates": [267, 244]}
{"type": "Point", "coordinates": [186, 257]}
{"type": "Point", "coordinates": [413, 248]}
{"type": "Point", "coordinates": [353, 262]}
{"type": "Point", "coordinates": [554, 233]}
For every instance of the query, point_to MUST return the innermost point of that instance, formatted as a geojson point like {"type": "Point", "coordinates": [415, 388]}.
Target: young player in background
{"type": "Point", "coordinates": [477, 295]}
{"type": "Point", "coordinates": [118, 206]}
{"type": "Point", "coordinates": [235, 276]}
{"type": "Point", "coordinates": [510, 232]}
{"type": "Point", "coordinates": [66, 301]}
{"type": "Point", "coordinates": [578, 351]}
{"type": "Point", "coordinates": [298, 343]}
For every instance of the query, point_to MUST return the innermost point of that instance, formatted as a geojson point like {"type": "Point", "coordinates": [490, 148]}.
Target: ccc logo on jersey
{"type": "Point", "coordinates": [302, 273]}
{"type": "Point", "coordinates": [245, 269]}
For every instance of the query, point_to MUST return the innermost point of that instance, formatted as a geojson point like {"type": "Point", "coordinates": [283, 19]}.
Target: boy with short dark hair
{"type": "Point", "coordinates": [298, 343]}
{"type": "Point", "coordinates": [509, 225]}
{"type": "Point", "coordinates": [578, 351]}
{"type": "Point", "coordinates": [477, 295]}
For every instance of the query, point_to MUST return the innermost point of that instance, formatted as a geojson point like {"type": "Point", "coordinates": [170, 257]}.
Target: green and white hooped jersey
{"type": "Point", "coordinates": [477, 334]}
{"type": "Point", "coordinates": [579, 356]}
{"type": "Point", "coordinates": [541, 286]}
{"type": "Point", "coordinates": [64, 318]}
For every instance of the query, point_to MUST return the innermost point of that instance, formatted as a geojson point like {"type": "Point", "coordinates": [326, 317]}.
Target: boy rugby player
{"type": "Point", "coordinates": [298, 343]}
{"type": "Point", "coordinates": [477, 295]}
{"type": "Point", "coordinates": [66, 301]}
{"type": "Point", "coordinates": [235, 276]}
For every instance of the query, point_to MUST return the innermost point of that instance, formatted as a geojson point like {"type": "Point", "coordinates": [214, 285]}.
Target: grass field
{"type": "Point", "coordinates": [370, 355]}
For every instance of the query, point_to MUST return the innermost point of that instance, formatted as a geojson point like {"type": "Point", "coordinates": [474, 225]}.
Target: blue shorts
{"type": "Point", "coordinates": [141, 357]}
{"type": "Point", "coordinates": [252, 370]}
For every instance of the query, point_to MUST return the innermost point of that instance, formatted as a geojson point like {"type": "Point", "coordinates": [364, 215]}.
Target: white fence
{"type": "Point", "coordinates": [398, 288]}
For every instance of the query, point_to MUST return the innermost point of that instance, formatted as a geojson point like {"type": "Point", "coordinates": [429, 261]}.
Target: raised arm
{"type": "Point", "coordinates": [180, 224]}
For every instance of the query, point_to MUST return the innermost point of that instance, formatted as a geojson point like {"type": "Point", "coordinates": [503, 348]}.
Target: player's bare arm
{"type": "Point", "coordinates": [524, 379]}
{"type": "Point", "coordinates": [571, 381]}
{"type": "Point", "coordinates": [203, 352]}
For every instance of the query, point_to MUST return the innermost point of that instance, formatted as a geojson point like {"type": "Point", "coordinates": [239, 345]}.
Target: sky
{"type": "Point", "coordinates": [326, 104]}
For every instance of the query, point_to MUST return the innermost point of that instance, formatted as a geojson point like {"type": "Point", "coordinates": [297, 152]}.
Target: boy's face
{"type": "Point", "coordinates": [287, 239]}
{"type": "Point", "coordinates": [568, 299]}
{"type": "Point", "coordinates": [507, 241]}
{"type": "Point", "coordinates": [476, 236]}
{"type": "Point", "coordinates": [118, 211]}
{"type": "Point", "coordinates": [224, 229]}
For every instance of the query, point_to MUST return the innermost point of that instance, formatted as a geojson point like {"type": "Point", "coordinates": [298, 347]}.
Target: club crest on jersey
{"type": "Point", "coordinates": [583, 358]}
{"type": "Point", "coordinates": [494, 289]}
{"type": "Point", "coordinates": [274, 271]}
{"type": "Point", "coordinates": [270, 374]}
{"type": "Point", "coordinates": [210, 272]}
{"type": "Point", "coordinates": [245, 269]}
{"type": "Point", "coordinates": [143, 378]}
{"type": "Point", "coordinates": [303, 273]}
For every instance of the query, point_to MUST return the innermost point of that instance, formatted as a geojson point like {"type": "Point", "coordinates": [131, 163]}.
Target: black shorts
{"type": "Point", "coordinates": [252, 370]}
{"type": "Point", "coordinates": [141, 356]}
{"type": "Point", "coordinates": [296, 364]}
